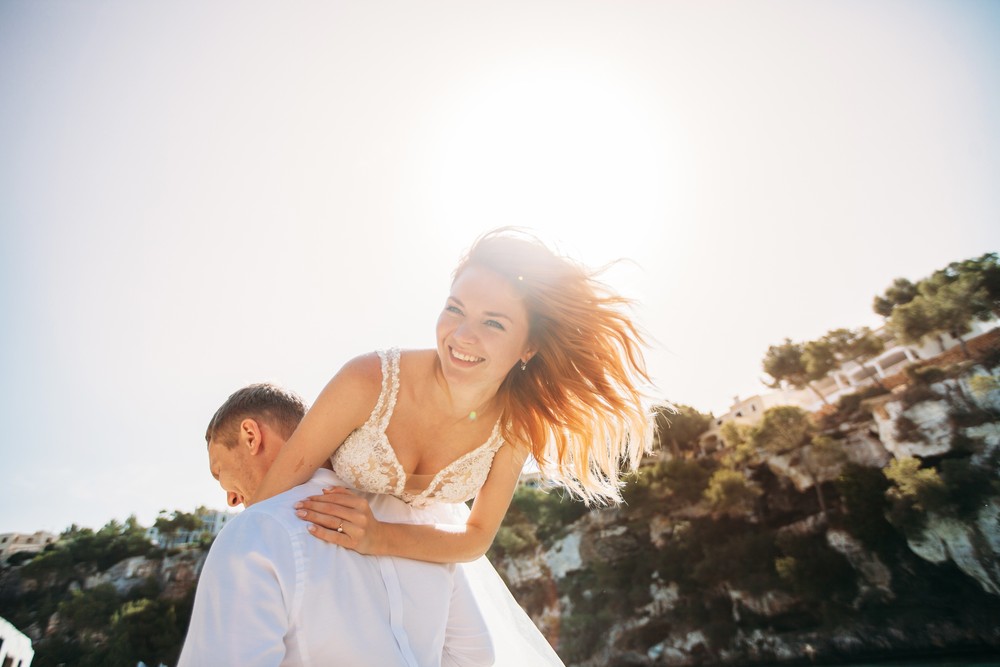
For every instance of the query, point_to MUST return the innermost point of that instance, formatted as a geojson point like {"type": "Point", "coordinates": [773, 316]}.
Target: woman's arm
{"type": "Point", "coordinates": [343, 405]}
{"type": "Point", "coordinates": [437, 543]}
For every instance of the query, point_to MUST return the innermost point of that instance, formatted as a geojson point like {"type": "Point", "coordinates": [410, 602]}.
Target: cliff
{"type": "Point", "coordinates": [81, 604]}
{"type": "Point", "coordinates": [905, 559]}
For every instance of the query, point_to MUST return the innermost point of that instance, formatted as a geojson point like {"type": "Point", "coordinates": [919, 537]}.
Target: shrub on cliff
{"type": "Point", "coordinates": [730, 493]}
{"type": "Point", "coordinates": [671, 483]}
{"type": "Point", "coordinates": [862, 491]}
{"type": "Point", "coordinates": [915, 491]}
{"type": "Point", "coordinates": [849, 405]}
{"type": "Point", "coordinates": [98, 551]}
{"type": "Point", "coordinates": [702, 554]}
{"type": "Point", "coordinates": [782, 429]}
{"type": "Point", "coordinates": [550, 512]}
{"type": "Point", "coordinates": [513, 540]}
{"type": "Point", "coordinates": [90, 609]}
{"type": "Point", "coordinates": [815, 572]}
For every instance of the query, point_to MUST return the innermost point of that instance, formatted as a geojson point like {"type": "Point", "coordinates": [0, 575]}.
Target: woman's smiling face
{"type": "Point", "coordinates": [483, 330]}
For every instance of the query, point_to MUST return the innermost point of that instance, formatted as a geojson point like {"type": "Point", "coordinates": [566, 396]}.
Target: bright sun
{"type": "Point", "coordinates": [572, 153]}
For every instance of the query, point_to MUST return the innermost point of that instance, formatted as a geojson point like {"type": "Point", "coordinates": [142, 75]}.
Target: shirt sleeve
{"type": "Point", "coordinates": [245, 595]}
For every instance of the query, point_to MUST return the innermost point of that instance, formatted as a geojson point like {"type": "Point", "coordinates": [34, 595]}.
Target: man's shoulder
{"type": "Point", "coordinates": [277, 511]}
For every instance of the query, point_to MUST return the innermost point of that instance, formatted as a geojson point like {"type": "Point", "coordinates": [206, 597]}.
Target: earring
{"type": "Point", "coordinates": [524, 365]}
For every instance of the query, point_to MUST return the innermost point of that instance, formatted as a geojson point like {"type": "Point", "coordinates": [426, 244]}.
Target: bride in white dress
{"type": "Point", "coordinates": [534, 357]}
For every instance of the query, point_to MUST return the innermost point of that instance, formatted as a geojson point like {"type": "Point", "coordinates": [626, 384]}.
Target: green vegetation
{"type": "Point", "coordinates": [672, 483]}
{"type": "Point", "coordinates": [535, 517]}
{"type": "Point", "coordinates": [801, 364]}
{"type": "Point", "coordinates": [171, 524]}
{"type": "Point", "coordinates": [816, 573]}
{"type": "Point", "coordinates": [956, 488]}
{"type": "Point", "coordinates": [678, 428]}
{"type": "Point", "coordinates": [97, 626]}
{"type": "Point", "coordinates": [727, 524]}
{"type": "Point", "coordinates": [740, 449]}
{"type": "Point", "coordinates": [90, 609]}
{"type": "Point", "coordinates": [789, 363]}
{"type": "Point", "coordinates": [944, 302]}
{"type": "Point", "coordinates": [81, 550]}
{"type": "Point", "coordinates": [915, 491]}
{"type": "Point", "coordinates": [782, 429]}
{"type": "Point", "coordinates": [848, 405]}
{"type": "Point", "coordinates": [863, 495]}
{"type": "Point", "coordinates": [729, 532]}
{"type": "Point", "coordinates": [730, 493]}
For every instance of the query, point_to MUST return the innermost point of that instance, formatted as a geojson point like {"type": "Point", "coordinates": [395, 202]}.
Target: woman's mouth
{"type": "Point", "coordinates": [465, 358]}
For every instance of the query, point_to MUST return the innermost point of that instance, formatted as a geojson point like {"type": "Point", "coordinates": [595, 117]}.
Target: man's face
{"type": "Point", "coordinates": [237, 471]}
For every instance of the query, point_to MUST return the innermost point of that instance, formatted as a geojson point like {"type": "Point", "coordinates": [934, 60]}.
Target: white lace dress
{"type": "Point", "coordinates": [367, 461]}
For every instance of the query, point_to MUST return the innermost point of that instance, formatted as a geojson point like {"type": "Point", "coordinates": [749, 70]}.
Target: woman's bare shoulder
{"type": "Point", "coordinates": [353, 391]}
{"type": "Point", "coordinates": [417, 360]}
{"type": "Point", "coordinates": [363, 371]}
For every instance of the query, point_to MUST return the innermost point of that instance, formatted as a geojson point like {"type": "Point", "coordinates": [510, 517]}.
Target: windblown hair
{"type": "Point", "coordinates": [578, 406]}
{"type": "Point", "coordinates": [280, 408]}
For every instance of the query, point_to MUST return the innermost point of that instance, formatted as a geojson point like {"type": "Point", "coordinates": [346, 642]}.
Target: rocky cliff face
{"type": "Point", "coordinates": [77, 613]}
{"type": "Point", "coordinates": [891, 568]}
{"type": "Point", "coordinates": [176, 574]}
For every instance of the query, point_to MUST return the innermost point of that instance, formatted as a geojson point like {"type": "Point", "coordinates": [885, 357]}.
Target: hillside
{"type": "Point", "coordinates": [728, 557]}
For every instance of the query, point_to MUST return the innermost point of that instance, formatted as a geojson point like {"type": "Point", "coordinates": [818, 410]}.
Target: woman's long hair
{"type": "Point", "coordinates": [578, 406]}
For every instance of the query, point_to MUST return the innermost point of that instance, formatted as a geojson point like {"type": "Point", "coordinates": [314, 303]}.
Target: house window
{"type": "Point", "coordinates": [753, 407]}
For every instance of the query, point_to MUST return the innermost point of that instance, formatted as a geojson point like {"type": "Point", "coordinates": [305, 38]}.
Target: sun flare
{"type": "Point", "coordinates": [571, 153]}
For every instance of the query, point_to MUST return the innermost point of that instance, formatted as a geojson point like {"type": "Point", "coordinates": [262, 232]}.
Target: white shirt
{"type": "Point", "coordinates": [273, 594]}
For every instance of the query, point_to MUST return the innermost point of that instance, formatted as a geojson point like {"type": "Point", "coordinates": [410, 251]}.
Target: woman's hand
{"type": "Point", "coordinates": [342, 517]}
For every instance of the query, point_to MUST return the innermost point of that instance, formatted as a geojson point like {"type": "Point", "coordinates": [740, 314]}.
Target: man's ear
{"type": "Point", "coordinates": [251, 436]}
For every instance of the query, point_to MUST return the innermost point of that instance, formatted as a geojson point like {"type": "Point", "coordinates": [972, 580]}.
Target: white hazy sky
{"type": "Point", "coordinates": [194, 196]}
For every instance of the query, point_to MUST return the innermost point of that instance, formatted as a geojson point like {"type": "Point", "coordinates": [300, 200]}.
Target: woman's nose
{"type": "Point", "coordinates": [464, 332]}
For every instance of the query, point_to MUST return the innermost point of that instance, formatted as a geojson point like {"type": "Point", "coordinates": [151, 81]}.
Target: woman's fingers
{"type": "Point", "coordinates": [331, 536]}
{"type": "Point", "coordinates": [328, 515]}
{"type": "Point", "coordinates": [339, 517]}
{"type": "Point", "coordinates": [340, 497]}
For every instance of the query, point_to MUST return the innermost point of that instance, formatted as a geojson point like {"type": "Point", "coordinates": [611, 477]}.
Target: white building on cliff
{"type": "Point", "coordinates": [844, 380]}
{"type": "Point", "coordinates": [212, 521]}
{"type": "Point", "coordinates": [12, 543]}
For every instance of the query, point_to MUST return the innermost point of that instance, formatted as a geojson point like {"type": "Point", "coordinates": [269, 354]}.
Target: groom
{"type": "Point", "coordinates": [272, 594]}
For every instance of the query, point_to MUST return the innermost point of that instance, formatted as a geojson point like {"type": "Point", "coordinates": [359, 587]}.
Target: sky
{"type": "Point", "coordinates": [195, 196]}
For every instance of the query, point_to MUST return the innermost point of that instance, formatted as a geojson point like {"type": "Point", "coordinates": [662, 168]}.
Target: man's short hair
{"type": "Point", "coordinates": [280, 408]}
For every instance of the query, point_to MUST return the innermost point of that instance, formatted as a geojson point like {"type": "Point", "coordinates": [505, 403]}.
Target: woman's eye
{"type": "Point", "coordinates": [495, 325]}
{"type": "Point", "coordinates": [453, 309]}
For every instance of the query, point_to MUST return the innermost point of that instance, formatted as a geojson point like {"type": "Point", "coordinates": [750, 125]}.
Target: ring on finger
{"type": "Point", "coordinates": [340, 528]}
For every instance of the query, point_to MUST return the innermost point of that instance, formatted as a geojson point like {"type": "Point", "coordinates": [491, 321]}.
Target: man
{"type": "Point", "coordinates": [272, 594]}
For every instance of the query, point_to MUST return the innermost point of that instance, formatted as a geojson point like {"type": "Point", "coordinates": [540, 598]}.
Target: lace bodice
{"type": "Point", "coordinates": [367, 461]}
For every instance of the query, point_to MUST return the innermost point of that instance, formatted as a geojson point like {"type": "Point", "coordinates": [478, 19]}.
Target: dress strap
{"type": "Point", "coordinates": [390, 388]}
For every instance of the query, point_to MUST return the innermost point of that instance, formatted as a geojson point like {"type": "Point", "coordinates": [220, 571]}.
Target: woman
{"type": "Point", "coordinates": [534, 357]}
